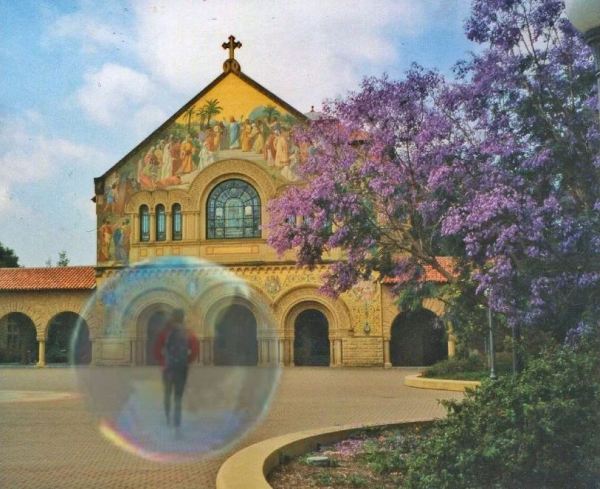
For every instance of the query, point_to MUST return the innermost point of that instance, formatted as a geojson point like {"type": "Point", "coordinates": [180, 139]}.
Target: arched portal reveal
{"type": "Point", "coordinates": [157, 321]}
{"type": "Point", "coordinates": [418, 339]}
{"type": "Point", "coordinates": [311, 339]}
{"type": "Point", "coordinates": [236, 341]}
{"type": "Point", "coordinates": [68, 339]}
{"type": "Point", "coordinates": [18, 342]}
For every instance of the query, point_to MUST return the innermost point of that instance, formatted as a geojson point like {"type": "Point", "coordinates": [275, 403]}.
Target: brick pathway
{"type": "Point", "coordinates": [55, 444]}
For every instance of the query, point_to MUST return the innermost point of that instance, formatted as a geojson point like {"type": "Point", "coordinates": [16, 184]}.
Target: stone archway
{"type": "Point", "coordinates": [290, 304]}
{"type": "Point", "coordinates": [151, 321]}
{"type": "Point", "coordinates": [68, 339]}
{"type": "Point", "coordinates": [417, 339]}
{"type": "Point", "coordinates": [18, 342]}
{"type": "Point", "coordinates": [156, 323]}
{"type": "Point", "coordinates": [311, 339]}
{"type": "Point", "coordinates": [143, 319]}
{"type": "Point", "coordinates": [236, 340]}
{"type": "Point", "coordinates": [210, 309]}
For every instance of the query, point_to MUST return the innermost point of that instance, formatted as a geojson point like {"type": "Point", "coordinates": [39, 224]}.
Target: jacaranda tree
{"type": "Point", "coordinates": [498, 168]}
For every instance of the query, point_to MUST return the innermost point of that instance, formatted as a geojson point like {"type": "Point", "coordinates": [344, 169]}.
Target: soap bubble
{"type": "Point", "coordinates": [229, 385]}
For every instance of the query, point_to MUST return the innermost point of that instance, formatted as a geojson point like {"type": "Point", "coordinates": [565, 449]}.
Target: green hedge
{"type": "Point", "coordinates": [541, 430]}
{"type": "Point", "coordinates": [471, 368]}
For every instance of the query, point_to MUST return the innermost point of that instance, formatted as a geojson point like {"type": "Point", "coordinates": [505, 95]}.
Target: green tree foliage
{"type": "Point", "coordinates": [538, 431]}
{"type": "Point", "coordinates": [211, 108]}
{"type": "Point", "coordinates": [63, 259]}
{"type": "Point", "coordinates": [271, 113]}
{"type": "Point", "coordinates": [8, 259]}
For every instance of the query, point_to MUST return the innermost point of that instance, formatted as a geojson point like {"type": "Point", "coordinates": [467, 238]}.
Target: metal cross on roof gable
{"type": "Point", "coordinates": [231, 64]}
{"type": "Point", "coordinates": [232, 45]}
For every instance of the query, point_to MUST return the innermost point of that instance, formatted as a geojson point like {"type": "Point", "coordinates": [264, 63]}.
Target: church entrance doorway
{"type": "Point", "coordinates": [311, 339]}
{"type": "Point", "coordinates": [155, 324]}
{"type": "Point", "coordinates": [418, 339]}
{"type": "Point", "coordinates": [236, 341]}
{"type": "Point", "coordinates": [18, 342]}
{"type": "Point", "coordinates": [68, 340]}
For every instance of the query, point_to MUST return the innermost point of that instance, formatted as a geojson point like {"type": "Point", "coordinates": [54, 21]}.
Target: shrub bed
{"type": "Point", "coordinates": [538, 430]}
{"type": "Point", "coordinates": [371, 458]}
{"type": "Point", "coordinates": [470, 368]}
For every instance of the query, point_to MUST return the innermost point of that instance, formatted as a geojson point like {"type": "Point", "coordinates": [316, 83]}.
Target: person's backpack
{"type": "Point", "coordinates": [176, 349]}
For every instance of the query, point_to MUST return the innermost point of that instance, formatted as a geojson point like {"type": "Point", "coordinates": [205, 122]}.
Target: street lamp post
{"type": "Point", "coordinates": [585, 17]}
{"type": "Point", "coordinates": [492, 346]}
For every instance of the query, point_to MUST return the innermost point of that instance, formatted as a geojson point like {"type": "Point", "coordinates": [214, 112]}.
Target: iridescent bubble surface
{"type": "Point", "coordinates": [229, 385]}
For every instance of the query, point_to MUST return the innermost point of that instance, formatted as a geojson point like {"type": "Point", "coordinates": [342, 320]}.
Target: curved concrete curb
{"type": "Point", "coordinates": [440, 384]}
{"type": "Point", "coordinates": [248, 468]}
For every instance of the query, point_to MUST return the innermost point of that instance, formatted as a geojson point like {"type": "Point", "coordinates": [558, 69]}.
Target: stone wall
{"type": "Point", "coordinates": [41, 306]}
{"type": "Point", "coordinates": [363, 351]}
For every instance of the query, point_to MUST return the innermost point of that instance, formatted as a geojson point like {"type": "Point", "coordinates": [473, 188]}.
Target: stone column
{"type": "Point", "coordinates": [263, 351]}
{"type": "Point", "coordinates": [135, 230]}
{"type": "Point", "coordinates": [387, 363]}
{"type": "Point", "coordinates": [132, 351]}
{"type": "Point", "coordinates": [281, 352]}
{"type": "Point", "coordinates": [290, 344]}
{"type": "Point", "coordinates": [168, 225]}
{"type": "Point", "coordinates": [152, 226]}
{"type": "Point", "coordinates": [337, 352]}
{"type": "Point", "coordinates": [207, 351]}
{"type": "Point", "coordinates": [94, 351]}
{"type": "Point", "coordinates": [331, 354]}
{"type": "Point", "coordinates": [140, 354]}
{"type": "Point", "coordinates": [41, 352]}
{"type": "Point", "coordinates": [274, 351]}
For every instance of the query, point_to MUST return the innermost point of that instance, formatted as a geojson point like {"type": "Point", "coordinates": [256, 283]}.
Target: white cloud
{"type": "Point", "coordinates": [91, 32]}
{"type": "Point", "coordinates": [304, 51]}
{"type": "Point", "coordinates": [46, 180]}
{"type": "Point", "coordinates": [147, 118]}
{"type": "Point", "coordinates": [85, 208]}
{"type": "Point", "coordinates": [28, 155]}
{"type": "Point", "coordinates": [111, 93]}
{"type": "Point", "coordinates": [6, 200]}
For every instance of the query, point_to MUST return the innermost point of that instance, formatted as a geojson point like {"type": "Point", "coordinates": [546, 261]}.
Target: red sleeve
{"type": "Point", "coordinates": [158, 347]}
{"type": "Point", "coordinates": [194, 347]}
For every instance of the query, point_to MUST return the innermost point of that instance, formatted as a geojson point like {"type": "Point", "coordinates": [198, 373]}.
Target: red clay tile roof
{"type": "Point", "coordinates": [57, 278]}
{"type": "Point", "coordinates": [431, 275]}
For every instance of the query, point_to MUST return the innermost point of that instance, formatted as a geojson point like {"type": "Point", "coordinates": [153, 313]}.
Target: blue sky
{"type": "Point", "coordinates": [84, 81]}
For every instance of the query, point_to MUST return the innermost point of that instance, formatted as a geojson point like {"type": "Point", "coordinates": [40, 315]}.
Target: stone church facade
{"type": "Point", "coordinates": [199, 186]}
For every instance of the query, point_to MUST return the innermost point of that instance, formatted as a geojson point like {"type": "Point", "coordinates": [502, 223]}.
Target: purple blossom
{"type": "Point", "coordinates": [498, 167]}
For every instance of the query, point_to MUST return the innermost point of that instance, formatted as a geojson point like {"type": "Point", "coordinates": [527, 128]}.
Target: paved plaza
{"type": "Point", "coordinates": [49, 440]}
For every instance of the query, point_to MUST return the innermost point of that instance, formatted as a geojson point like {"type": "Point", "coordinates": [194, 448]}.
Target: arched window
{"type": "Point", "coordinates": [161, 223]}
{"type": "Point", "coordinates": [233, 211]}
{"type": "Point", "coordinates": [144, 223]}
{"type": "Point", "coordinates": [177, 224]}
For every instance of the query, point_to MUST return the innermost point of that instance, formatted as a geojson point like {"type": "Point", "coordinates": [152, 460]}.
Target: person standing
{"type": "Point", "coordinates": [186, 156]}
{"type": "Point", "coordinates": [234, 133]}
{"type": "Point", "coordinates": [175, 348]}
